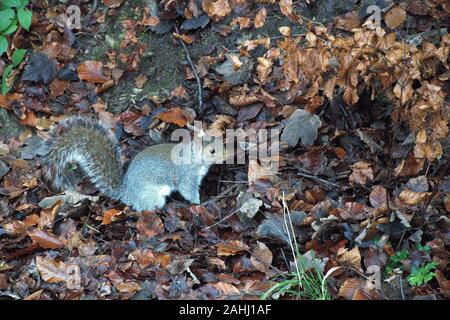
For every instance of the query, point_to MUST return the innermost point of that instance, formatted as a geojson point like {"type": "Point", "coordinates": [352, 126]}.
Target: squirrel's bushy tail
{"type": "Point", "coordinates": [85, 142]}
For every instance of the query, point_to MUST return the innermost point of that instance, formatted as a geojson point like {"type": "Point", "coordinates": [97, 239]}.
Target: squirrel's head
{"type": "Point", "coordinates": [212, 147]}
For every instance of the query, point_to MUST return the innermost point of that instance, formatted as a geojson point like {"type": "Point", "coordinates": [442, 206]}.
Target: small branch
{"type": "Point", "coordinates": [199, 83]}
{"type": "Point", "coordinates": [318, 179]}
{"type": "Point", "coordinates": [222, 220]}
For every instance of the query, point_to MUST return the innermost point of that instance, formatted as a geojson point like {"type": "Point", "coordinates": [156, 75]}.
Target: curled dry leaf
{"type": "Point", "coordinates": [128, 287]}
{"type": "Point", "coordinates": [110, 216]}
{"type": "Point", "coordinates": [237, 64]}
{"type": "Point", "coordinates": [231, 247]}
{"type": "Point", "coordinates": [362, 173]}
{"type": "Point", "coordinates": [48, 215]}
{"type": "Point", "coordinates": [409, 167]}
{"type": "Point", "coordinates": [357, 289]}
{"type": "Point", "coordinates": [216, 9]}
{"type": "Point", "coordinates": [219, 126]}
{"type": "Point", "coordinates": [264, 68]}
{"type": "Point", "coordinates": [15, 228]}
{"type": "Point", "coordinates": [226, 289]}
{"type": "Point", "coordinates": [285, 31]}
{"type": "Point", "coordinates": [261, 257]}
{"type": "Point", "coordinates": [112, 3]}
{"type": "Point", "coordinates": [260, 17]}
{"type": "Point", "coordinates": [413, 198]}
{"type": "Point", "coordinates": [144, 257]}
{"type": "Point", "coordinates": [184, 37]}
{"type": "Point", "coordinates": [286, 7]}
{"type": "Point", "coordinates": [350, 258]}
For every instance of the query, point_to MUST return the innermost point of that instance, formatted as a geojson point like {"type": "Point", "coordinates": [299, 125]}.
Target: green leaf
{"type": "Point", "coordinates": [6, 18]}
{"type": "Point", "coordinates": [11, 3]}
{"type": "Point", "coordinates": [12, 28]}
{"type": "Point", "coordinates": [24, 3]}
{"type": "Point", "coordinates": [3, 45]}
{"type": "Point", "coordinates": [6, 72]}
{"type": "Point", "coordinates": [18, 56]}
{"type": "Point", "coordinates": [24, 16]}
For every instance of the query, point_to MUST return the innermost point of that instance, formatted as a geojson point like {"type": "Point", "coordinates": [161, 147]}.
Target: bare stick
{"type": "Point", "coordinates": [318, 179]}
{"type": "Point", "coordinates": [199, 82]}
{"type": "Point", "coordinates": [222, 220]}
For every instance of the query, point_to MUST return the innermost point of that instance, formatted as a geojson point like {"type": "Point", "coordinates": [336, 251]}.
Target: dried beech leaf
{"type": "Point", "coordinates": [395, 17]}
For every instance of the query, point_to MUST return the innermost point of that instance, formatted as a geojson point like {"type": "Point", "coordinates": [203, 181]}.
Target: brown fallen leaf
{"type": "Point", "coordinates": [357, 289]}
{"type": "Point", "coordinates": [45, 239]}
{"type": "Point", "coordinates": [413, 198]}
{"type": "Point", "coordinates": [184, 37]}
{"type": "Point", "coordinates": [91, 71]}
{"type": "Point", "coordinates": [362, 173]}
{"type": "Point", "coordinates": [395, 17]}
{"type": "Point", "coordinates": [50, 270]}
{"type": "Point", "coordinates": [216, 9]}
{"type": "Point", "coordinates": [110, 216]}
{"type": "Point", "coordinates": [409, 167]}
{"type": "Point", "coordinates": [128, 287]}
{"type": "Point", "coordinates": [175, 116]}
{"type": "Point", "coordinates": [112, 3]}
{"type": "Point", "coordinates": [144, 257]}
{"type": "Point", "coordinates": [261, 257]}
{"type": "Point", "coordinates": [260, 17]}
{"type": "Point", "coordinates": [47, 216]}
{"type": "Point", "coordinates": [348, 21]}
{"type": "Point", "coordinates": [350, 258]}
{"type": "Point", "coordinates": [378, 197]}
{"type": "Point", "coordinates": [231, 247]}
{"type": "Point", "coordinates": [15, 228]}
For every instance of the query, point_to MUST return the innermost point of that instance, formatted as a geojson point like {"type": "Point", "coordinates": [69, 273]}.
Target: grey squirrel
{"type": "Point", "coordinates": [149, 179]}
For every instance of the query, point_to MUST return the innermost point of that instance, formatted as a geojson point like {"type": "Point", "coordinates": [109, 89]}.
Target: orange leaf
{"type": "Point", "coordinates": [110, 216]}
{"type": "Point", "coordinates": [175, 116]}
{"type": "Point", "coordinates": [91, 71]}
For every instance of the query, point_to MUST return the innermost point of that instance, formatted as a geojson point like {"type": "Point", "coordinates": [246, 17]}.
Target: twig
{"type": "Point", "coordinates": [223, 219]}
{"type": "Point", "coordinates": [199, 83]}
{"type": "Point", "coordinates": [318, 179]}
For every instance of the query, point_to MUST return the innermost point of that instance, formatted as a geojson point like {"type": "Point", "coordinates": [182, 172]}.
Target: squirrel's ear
{"type": "Point", "coordinates": [197, 129]}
